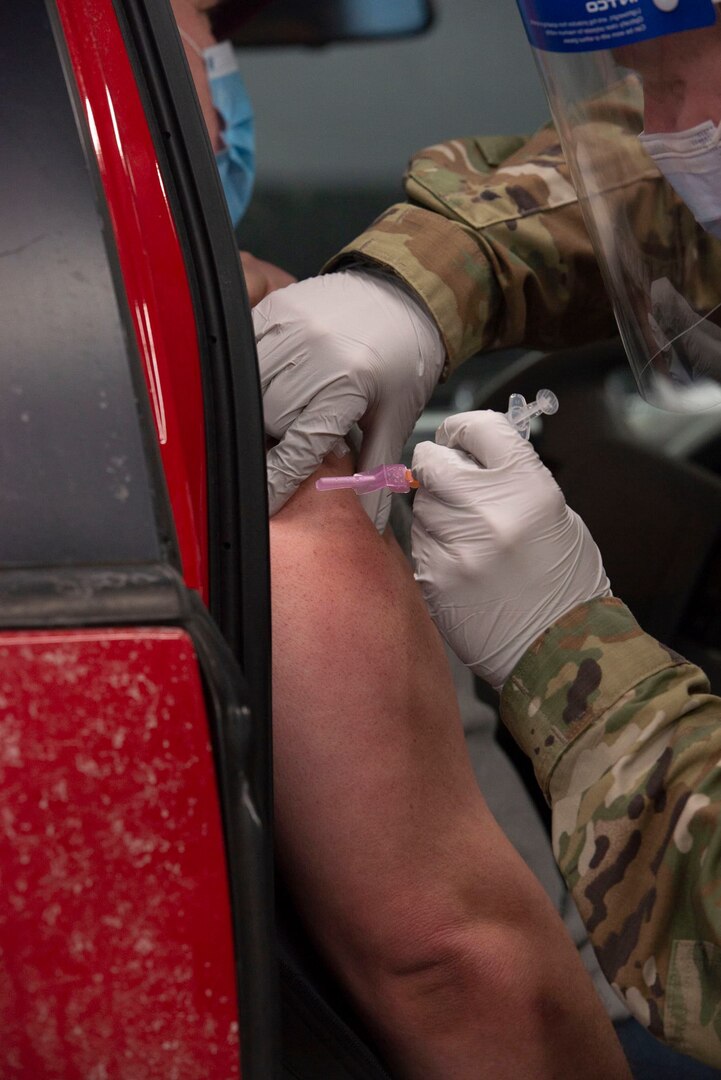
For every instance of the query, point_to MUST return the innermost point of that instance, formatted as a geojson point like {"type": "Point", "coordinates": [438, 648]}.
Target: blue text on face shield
{"type": "Point", "coordinates": [236, 161]}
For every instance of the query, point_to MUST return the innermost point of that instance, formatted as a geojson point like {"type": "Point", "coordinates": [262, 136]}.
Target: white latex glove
{"type": "Point", "coordinates": [334, 351]}
{"type": "Point", "coordinates": [498, 554]}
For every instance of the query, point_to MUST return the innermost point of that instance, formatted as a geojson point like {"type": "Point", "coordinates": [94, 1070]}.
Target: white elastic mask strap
{"type": "Point", "coordinates": [194, 45]}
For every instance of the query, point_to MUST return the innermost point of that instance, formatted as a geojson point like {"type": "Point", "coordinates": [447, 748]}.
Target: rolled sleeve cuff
{"type": "Point", "coordinates": [443, 263]}
{"type": "Point", "coordinates": [574, 674]}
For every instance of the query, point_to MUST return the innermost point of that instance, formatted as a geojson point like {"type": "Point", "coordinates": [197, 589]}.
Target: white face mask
{"type": "Point", "coordinates": [691, 162]}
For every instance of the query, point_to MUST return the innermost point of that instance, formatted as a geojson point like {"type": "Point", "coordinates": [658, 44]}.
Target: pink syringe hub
{"type": "Point", "coordinates": [395, 477]}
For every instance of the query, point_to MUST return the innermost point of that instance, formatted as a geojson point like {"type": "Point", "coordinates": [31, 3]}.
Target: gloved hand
{"type": "Point", "coordinates": [498, 554]}
{"type": "Point", "coordinates": [334, 351]}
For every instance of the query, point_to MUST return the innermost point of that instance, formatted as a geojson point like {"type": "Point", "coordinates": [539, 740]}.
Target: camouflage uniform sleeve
{"type": "Point", "coordinates": [626, 742]}
{"type": "Point", "coordinates": [492, 240]}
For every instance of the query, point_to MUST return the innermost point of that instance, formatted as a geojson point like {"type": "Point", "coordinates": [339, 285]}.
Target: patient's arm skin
{"type": "Point", "coordinates": [448, 944]}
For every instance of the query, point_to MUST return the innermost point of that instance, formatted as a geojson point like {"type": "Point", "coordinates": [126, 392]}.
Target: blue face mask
{"type": "Point", "coordinates": [236, 161]}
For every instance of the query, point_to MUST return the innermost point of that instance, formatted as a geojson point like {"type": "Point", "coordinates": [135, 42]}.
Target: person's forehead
{"type": "Point", "coordinates": [669, 51]}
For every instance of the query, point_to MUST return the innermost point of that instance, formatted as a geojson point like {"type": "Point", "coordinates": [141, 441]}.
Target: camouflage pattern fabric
{"type": "Point", "coordinates": [493, 241]}
{"type": "Point", "coordinates": [626, 742]}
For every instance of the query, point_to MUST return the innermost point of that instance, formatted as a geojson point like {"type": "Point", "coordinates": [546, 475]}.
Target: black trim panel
{"type": "Point", "coordinates": [91, 596]}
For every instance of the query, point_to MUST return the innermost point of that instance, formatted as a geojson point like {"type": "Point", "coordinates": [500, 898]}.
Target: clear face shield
{"type": "Point", "coordinates": [634, 88]}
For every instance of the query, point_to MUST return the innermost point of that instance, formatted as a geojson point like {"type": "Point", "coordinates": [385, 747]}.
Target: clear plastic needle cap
{"type": "Point", "coordinates": [395, 477]}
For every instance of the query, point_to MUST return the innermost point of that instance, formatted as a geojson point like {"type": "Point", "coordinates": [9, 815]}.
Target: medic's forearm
{"type": "Point", "coordinates": [626, 742]}
{"type": "Point", "coordinates": [493, 242]}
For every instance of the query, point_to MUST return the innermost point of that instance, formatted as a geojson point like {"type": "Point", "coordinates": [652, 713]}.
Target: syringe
{"type": "Point", "coordinates": [399, 478]}
{"type": "Point", "coordinates": [520, 412]}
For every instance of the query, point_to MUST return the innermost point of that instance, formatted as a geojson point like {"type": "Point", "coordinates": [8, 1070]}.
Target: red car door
{"type": "Point", "coordinates": [136, 932]}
